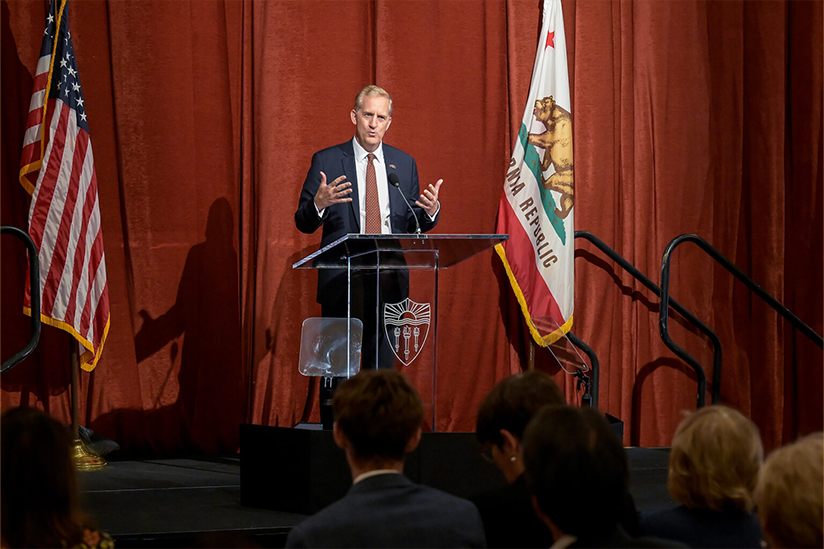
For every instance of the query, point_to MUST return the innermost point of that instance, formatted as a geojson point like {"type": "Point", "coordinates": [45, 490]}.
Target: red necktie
{"type": "Point", "coordinates": [373, 207]}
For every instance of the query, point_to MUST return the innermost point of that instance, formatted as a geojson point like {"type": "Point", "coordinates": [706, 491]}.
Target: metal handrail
{"type": "Point", "coordinates": [687, 315]}
{"type": "Point", "coordinates": [34, 284]}
{"type": "Point", "coordinates": [739, 274]}
{"type": "Point", "coordinates": [594, 365]}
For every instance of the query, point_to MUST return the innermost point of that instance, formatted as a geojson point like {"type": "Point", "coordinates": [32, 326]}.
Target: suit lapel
{"type": "Point", "coordinates": [396, 203]}
{"type": "Point", "coordinates": [351, 174]}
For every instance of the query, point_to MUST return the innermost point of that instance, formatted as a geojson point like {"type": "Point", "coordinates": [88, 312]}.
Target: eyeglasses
{"type": "Point", "coordinates": [486, 452]}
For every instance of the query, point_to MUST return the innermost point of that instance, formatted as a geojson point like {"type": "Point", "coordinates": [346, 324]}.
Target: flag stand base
{"type": "Point", "coordinates": [85, 460]}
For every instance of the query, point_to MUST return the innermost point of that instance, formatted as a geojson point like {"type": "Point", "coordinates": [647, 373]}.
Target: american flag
{"type": "Point", "coordinates": [57, 169]}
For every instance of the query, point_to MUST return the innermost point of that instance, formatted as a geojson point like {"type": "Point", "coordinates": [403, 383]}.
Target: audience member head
{"type": "Point", "coordinates": [577, 471]}
{"type": "Point", "coordinates": [378, 416]}
{"type": "Point", "coordinates": [505, 413]}
{"type": "Point", "coordinates": [714, 461]}
{"type": "Point", "coordinates": [789, 494]}
{"type": "Point", "coordinates": [38, 481]}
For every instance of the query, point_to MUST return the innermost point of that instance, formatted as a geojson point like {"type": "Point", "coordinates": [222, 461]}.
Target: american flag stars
{"type": "Point", "coordinates": [66, 82]}
{"type": "Point", "coordinates": [68, 87]}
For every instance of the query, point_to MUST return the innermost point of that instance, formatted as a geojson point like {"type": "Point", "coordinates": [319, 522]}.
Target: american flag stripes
{"type": "Point", "coordinates": [57, 169]}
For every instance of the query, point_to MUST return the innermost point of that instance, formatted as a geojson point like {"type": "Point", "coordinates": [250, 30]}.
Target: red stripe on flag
{"type": "Point", "coordinates": [521, 258]}
{"type": "Point", "coordinates": [40, 82]}
{"type": "Point", "coordinates": [34, 118]}
{"type": "Point", "coordinates": [80, 252]}
{"type": "Point", "coordinates": [51, 106]}
{"type": "Point", "coordinates": [31, 152]}
{"type": "Point", "coordinates": [101, 316]}
{"type": "Point", "coordinates": [36, 111]}
{"type": "Point", "coordinates": [94, 263]}
{"type": "Point", "coordinates": [51, 164]}
{"type": "Point", "coordinates": [55, 276]}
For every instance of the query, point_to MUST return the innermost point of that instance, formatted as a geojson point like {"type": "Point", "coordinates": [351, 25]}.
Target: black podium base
{"type": "Point", "coordinates": [616, 425]}
{"type": "Point", "coordinates": [303, 471]}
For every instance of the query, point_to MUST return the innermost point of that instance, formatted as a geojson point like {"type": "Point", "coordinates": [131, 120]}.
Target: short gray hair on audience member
{"type": "Point", "coordinates": [790, 494]}
{"type": "Point", "coordinates": [714, 461]}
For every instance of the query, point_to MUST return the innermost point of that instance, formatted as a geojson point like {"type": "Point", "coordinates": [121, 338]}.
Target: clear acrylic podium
{"type": "Point", "coordinates": [409, 325]}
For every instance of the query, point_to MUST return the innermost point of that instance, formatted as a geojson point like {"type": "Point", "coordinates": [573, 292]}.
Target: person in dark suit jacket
{"type": "Point", "coordinates": [337, 196]}
{"type": "Point", "coordinates": [713, 467]}
{"type": "Point", "coordinates": [378, 416]}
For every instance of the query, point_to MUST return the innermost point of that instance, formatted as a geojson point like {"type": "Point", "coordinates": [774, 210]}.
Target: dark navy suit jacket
{"type": "Point", "coordinates": [389, 510]}
{"type": "Point", "coordinates": [344, 218]}
{"type": "Point", "coordinates": [704, 527]}
{"type": "Point", "coordinates": [509, 518]}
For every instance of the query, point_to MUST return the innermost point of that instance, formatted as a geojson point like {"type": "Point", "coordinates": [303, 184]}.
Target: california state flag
{"type": "Point", "coordinates": [536, 207]}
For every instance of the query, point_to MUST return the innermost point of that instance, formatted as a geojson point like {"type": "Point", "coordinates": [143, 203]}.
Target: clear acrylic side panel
{"type": "Point", "coordinates": [567, 355]}
{"type": "Point", "coordinates": [405, 326]}
{"type": "Point", "coordinates": [323, 347]}
{"type": "Point", "coordinates": [411, 327]}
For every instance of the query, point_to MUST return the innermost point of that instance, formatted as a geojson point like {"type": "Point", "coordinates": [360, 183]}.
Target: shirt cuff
{"type": "Point", "coordinates": [432, 217]}
{"type": "Point", "coordinates": [321, 212]}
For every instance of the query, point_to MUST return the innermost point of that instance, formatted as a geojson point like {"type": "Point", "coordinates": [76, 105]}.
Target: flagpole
{"type": "Point", "coordinates": [530, 364]}
{"type": "Point", "coordinates": [83, 459]}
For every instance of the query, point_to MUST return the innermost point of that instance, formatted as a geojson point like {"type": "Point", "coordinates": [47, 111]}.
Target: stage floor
{"type": "Point", "coordinates": [196, 502]}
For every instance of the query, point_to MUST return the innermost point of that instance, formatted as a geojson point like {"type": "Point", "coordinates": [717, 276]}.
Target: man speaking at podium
{"type": "Point", "coordinates": [349, 190]}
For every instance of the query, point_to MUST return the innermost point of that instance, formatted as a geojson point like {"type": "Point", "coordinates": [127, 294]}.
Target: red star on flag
{"type": "Point", "coordinates": [550, 39]}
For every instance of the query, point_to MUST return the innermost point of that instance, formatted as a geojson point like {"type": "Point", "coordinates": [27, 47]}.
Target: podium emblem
{"type": "Point", "coordinates": [406, 325]}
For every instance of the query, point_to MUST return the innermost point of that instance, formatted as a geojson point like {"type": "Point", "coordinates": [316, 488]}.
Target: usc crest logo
{"type": "Point", "coordinates": [406, 325]}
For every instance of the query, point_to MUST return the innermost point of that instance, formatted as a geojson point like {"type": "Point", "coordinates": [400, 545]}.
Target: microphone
{"type": "Point", "coordinates": [395, 182]}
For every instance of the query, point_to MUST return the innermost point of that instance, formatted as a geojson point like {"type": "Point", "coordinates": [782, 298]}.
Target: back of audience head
{"type": "Point", "coordinates": [790, 496]}
{"type": "Point", "coordinates": [505, 413]}
{"type": "Point", "coordinates": [577, 470]}
{"type": "Point", "coordinates": [714, 461]}
{"type": "Point", "coordinates": [38, 480]}
{"type": "Point", "coordinates": [380, 413]}
{"type": "Point", "coordinates": [512, 402]}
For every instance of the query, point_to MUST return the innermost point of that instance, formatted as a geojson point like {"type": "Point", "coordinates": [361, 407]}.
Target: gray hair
{"type": "Point", "coordinates": [375, 91]}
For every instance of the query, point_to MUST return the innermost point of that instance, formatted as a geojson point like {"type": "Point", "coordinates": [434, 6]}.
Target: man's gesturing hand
{"type": "Point", "coordinates": [333, 193]}
{"type": "Point", "coordinates": [429, 198]}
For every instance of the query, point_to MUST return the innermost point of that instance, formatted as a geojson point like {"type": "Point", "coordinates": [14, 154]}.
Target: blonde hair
{"type": "Point", "coordinates": [374, 91]}
{"type": "Point", "coordinates": [714, 461]}
{"type": "Point", "coordinates": [790, 494]}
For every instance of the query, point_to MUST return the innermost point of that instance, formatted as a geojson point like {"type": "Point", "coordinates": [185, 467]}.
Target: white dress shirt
{"type": "Point", "coordinates": [375, 473]}
{"type": "Point", "coordinates": [361, 161]}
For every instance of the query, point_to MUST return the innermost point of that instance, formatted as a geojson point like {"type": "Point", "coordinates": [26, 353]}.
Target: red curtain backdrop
{"type": "Point", "coordinates": [689, 117]}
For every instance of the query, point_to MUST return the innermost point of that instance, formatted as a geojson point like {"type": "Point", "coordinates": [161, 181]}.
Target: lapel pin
{"type": "Point", "coordinates": [393, 166]}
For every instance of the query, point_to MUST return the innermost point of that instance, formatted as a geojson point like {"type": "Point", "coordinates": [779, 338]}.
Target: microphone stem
{"type": "Point", "coordinates": [415, 217]}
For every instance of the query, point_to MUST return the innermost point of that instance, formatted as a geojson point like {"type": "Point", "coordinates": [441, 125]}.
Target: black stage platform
{"type": "Point", "coordinates": [196, 502]}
